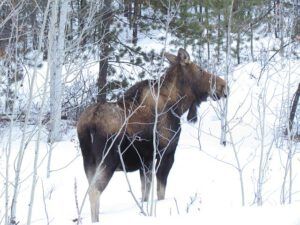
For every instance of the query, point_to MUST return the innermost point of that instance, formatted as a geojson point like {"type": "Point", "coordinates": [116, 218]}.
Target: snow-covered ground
{"type": "Point", "coordinates": [204, 186]}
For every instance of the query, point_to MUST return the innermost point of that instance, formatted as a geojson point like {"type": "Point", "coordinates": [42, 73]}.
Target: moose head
{"type": "Point", "coordinates": [197, 84]}
{"type": "Point", "coordinates": [202, 83]}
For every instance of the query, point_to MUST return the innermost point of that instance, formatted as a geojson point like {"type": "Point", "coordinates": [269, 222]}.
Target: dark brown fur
{"type": "Point", "coordinates": [126, 126]}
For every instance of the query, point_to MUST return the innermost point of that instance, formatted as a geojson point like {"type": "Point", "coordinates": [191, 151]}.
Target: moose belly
{"type": "Point", "coordinates": [135, 154]}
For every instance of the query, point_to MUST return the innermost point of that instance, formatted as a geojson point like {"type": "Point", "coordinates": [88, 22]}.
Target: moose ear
{"type": "Point", "coordinates": [183, 57]}
{"type": "Point", "coordinates": [171, 58]}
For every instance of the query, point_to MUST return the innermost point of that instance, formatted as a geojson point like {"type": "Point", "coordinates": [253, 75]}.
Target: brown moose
{"type": "Point", "coordinates": [120, 135]}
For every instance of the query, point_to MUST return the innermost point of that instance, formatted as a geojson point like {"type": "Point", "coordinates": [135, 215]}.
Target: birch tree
{"type": "Point", "coordinates": [293, 99]}
{"type": "Point", "coordinates": [58, 22]}
{"type": "Point", "coordinates": [40, 125]}
{"type": "Point", "coordinates": [224, 125]}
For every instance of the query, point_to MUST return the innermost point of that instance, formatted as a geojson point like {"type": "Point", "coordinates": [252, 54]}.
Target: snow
{"type": "Point", "coordinates": [204, 183]}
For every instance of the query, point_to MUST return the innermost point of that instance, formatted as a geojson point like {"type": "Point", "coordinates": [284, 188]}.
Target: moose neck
{"type": "Point", "coordinates": [178, 89]}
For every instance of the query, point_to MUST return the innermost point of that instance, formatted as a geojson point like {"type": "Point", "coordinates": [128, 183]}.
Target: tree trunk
{"type": "Point", "coordinates": [33, 19]}
{"type": "Point", "coordinates": [128, 11]}
{"type": "Point", "coordinates": [82, 14]}
{"type": "Point", "coordinates": [277, 17]}
{"type": "Point", "coordinates": [219, 37]}
{"type": "Point", "coordinates": [56, 48]}
{"type": "Point", "coordinates": [200, 11]}
{"type": "Point", "coordinates": [296, 30]}
{"type": "Point", "coordinates": [224, 121]}
{"type": "Point", "coordinates": [135, 22]}
{"type": "Point", "coordinates": [207, 33]}
{"type": "Point", "coordinates": [294, 108]}
{"type": "Point", "coordinates": [235, 6]}
{"type": "Point", "coordinates": [238, 42]}
{"type": "Point", "coordinates": [251, 42]}
{"type": "Point", "coordinates": [40, 116]}
{"type": "Point", "coordinates": [105, 49]}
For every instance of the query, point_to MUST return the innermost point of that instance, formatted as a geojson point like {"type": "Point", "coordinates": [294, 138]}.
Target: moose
{"type": "Point", "coordinates": [142, 124]}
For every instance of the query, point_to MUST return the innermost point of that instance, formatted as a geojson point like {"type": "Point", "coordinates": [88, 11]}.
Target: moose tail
{"type": "Point", "coordinates": [86, 142]}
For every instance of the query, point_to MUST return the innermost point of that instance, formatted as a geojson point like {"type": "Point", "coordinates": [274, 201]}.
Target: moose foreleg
{"type": "Point", "coordinates": [162, 175]}
{"type": "Point", "coordinates": [146, 178]}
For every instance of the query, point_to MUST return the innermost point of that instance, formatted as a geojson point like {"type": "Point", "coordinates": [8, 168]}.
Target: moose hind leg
{"type": "Point", "coordinates": [97, 185]}
{"type": "Point", "coordinates": [94, 196]}
{"type": "Point", "coordinates": [162, 175]}
{"type": "Point", "coordinates": [93, 192]}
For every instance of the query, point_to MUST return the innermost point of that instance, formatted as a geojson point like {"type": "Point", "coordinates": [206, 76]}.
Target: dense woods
{"type": "Point", "coordinates": [110, 30]}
